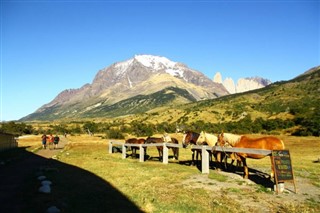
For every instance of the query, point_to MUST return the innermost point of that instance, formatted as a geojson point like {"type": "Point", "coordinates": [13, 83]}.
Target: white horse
{"type": "Point", "coordinates": [210, 139]}
{"type": "Point", "coordinates": [234, 157]}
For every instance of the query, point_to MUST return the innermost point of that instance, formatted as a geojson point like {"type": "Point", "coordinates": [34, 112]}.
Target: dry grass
{"type": "Point", "coordinates": [155, 187]}
{"type": "Point", "coordinates": [32, 142]}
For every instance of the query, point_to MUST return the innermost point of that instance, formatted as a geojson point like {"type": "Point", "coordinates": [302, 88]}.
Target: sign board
{"type": "Point", "coordinates": [282, 166]}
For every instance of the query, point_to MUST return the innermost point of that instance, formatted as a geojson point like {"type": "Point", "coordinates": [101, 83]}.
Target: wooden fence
{"type": "Point", "coordinates": [7, 141]}
{"type": "Point", "coordinates": [141, 149]}
{"type": "Point", "coordinates": [205, 167]}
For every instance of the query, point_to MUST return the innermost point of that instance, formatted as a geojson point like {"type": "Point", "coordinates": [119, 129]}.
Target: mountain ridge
{"type": "Point", "coordinates": [140, 75]}
{"type": "Point", "coordinates": [242, 85]}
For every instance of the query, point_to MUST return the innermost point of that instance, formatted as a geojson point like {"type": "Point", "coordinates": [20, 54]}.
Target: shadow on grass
{"type": "Point", "coordinates": [73, 189]}
{"type": "Point", "coordinates": [256, 176]}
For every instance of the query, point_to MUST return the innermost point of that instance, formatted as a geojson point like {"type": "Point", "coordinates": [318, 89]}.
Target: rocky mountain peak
{"type": "Point", "coordinates": [217, 78]}
{"type": "Point", "coordinates": [155, 62]}
{"type": "Point", "coordinates": [140, 75]}
{"type": "Point", "coordinates": [242, 85]}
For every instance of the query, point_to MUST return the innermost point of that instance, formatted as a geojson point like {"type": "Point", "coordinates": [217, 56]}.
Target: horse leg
{"type": "Point", "coordinates": [198, 153]}
{"type": "Point", "coordinates": [233, 158]}
{"type": "Point", "coordinates": [218, 161]}
{"type": "Point", "coordinates": [145, 152]}
{"type": "Point", "coordinates": [238, 163]}
{"type": "Point", "coordinates": [192, 163]}
{"type": "Point", "coordinates": [178, 150]}
{"type": "Point", "coordinates": [175, 153]}
{"type": "Point", "coordinates": [233, 167]}
{"type": "Point", "coordinates": [160, 153]}
{"type": "Point", "coordinates": [272, 169]}
{"type": "Point", "coordinates": [225, 158]}
{"type": "Point", "coordinates": [245, 168]}
{"type": "Point", "coordinates": [133, 152]}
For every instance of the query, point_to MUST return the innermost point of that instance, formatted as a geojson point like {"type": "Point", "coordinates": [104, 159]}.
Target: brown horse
{"type": "Point", "coordinates": [160, 148]}
{"type": "Point", "coordinates": [190, 138]}
{"type": "Point", "coordinates": [240, 141]}
{"type": "Point", "coordinates": [135, 141]}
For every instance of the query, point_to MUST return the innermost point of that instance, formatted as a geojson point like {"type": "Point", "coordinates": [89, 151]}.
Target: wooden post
{"type": "Point", "coordinates": [165, 154]}
{"type": "Point", "coordinates": [110, 147]}
{"type": "Point", "coordinates": [141, 153]}
{"type": "Point", "coordinates": [124, 152]}
{"type": "Point", "coordinates": [204, 160]}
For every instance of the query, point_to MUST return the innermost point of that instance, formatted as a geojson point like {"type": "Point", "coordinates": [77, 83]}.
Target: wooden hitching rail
{"type": "Point", "coordinates": [204, 150]}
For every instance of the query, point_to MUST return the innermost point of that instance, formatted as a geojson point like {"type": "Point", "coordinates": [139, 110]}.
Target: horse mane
{"type": "Point", "coordinates": [230, 138]}
{"type": "Point", "coordinates": [211, 138]}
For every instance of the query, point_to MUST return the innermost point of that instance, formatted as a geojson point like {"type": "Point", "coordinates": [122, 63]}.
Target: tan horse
{"type": "Point", "coordinates": [240, 141]}
{"type": "Point", "coordinates": [212, 140]}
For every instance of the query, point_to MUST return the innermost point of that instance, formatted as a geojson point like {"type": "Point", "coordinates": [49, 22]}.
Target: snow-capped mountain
{"type": "Point", "coordinates": [243, 84]}
{"type": "Point", "coordinates": [140, 75]}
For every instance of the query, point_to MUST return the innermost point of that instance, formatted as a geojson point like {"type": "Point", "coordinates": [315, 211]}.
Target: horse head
{"type": "Point", "coordinates": [188, 138]}
{"type": "Point", "coordinates": [184, 144]}
{"type": "Point", "coordinates": [202, 138]}
{"type": "Point", "coordinates": [221, 141]}
{"type": "Point", "coordinates": [148, 140]}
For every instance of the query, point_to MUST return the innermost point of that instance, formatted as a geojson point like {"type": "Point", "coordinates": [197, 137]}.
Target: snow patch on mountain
{"type": "Point", "coordinates": [130, 82]}
{"type": "Point", "coordinates": [121, 67]}
{"type": "Point", "coordinates": [155, 62]}
{"type": "Point", "coordinates": [175, 73]}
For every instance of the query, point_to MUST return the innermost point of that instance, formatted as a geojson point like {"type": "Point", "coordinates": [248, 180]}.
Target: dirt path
{"type": "Point", "coordinates": [50, 152]}
{"type": "Point", "coordinates": [16, 170]}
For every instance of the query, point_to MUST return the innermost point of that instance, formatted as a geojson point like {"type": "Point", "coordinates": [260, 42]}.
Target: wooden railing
{"type": "Point", "coordinates": [204, 151]}
{"type": "Point", "coordinates": [141, 149]}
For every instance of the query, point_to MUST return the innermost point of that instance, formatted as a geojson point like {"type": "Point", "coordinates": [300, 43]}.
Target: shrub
{"type": "Point", "coordinates": [114, 134]}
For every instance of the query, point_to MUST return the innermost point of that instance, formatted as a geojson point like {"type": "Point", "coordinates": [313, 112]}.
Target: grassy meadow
{"type": "Point", "coordinates": [176, 187]}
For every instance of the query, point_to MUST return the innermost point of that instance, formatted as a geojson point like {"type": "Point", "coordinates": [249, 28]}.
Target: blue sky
{"type": "Point", "coordinates": [50, 46]}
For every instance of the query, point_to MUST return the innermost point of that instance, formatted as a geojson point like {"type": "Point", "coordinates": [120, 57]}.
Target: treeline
{"type": "Point", "coordinates": [16, 128]}
{"type": "Point", "coordinates": [300, 126]}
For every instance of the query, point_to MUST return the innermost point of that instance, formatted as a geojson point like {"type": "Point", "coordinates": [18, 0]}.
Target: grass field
{"type": "Point", "coordinates": [87, 174]}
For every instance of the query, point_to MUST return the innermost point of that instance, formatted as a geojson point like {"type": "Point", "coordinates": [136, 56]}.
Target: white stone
{"type": "Point", "coordinates": [45, 189]}
{"type": "Point", "coordinates": [46, 183]}
{"type": "Point", "coordinates": [42, 177]}
{"type": "Point", "coordinates": [53, 209]}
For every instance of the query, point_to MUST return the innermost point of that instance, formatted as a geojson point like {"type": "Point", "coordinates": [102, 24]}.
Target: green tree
{"type": "Point", "coordinates": [90, 127]}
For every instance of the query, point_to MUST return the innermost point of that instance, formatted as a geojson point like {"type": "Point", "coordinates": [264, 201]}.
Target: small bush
{"type": "Point", "coordinates": [114, 134]}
